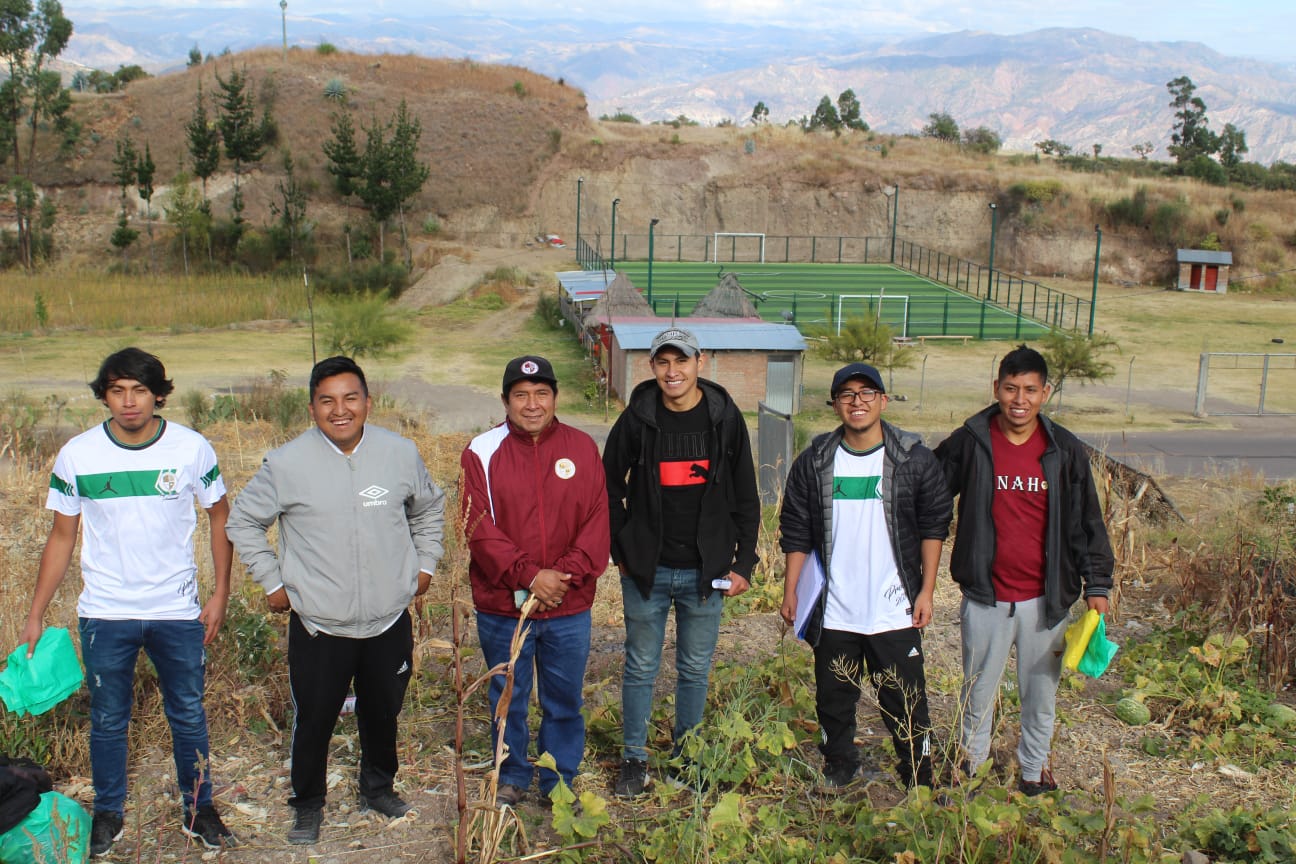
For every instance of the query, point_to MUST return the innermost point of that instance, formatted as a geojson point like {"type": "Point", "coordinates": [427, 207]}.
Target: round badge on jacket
{"type": "Point", "coordinates": [565, 468]}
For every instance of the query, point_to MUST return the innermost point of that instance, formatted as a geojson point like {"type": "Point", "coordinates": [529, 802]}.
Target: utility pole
{"type": "Point", "coordinates": [283, 10]}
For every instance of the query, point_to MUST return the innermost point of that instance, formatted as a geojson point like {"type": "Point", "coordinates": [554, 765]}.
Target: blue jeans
{"type": "Point", "coordinates": [558, 648]}
{"type": "Point", "coordinates": [697, 627]}
{"type": "Point", "coordinates": [109, 650]}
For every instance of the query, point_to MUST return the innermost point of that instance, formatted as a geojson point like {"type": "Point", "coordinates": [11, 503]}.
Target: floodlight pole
{"type": "Point", "coordinates": [615, 202]}
{"type": "Point", "coordinates": [283, 11]}
{"type": "Point", "coordinates": [895, 212]}
{"type": "Point", "coordinates": [579, 182]}
{"type": "Point", "coordinates": [994, 225]}
{"type": "Point", "coordinates": [651, 226]}
{"type": "Point", "coordinates": [1093, 301]}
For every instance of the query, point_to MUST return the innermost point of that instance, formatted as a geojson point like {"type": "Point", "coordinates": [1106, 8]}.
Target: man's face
{"type": "Point", "coordinates": [676, 374]}
{"type": "Point", "coordinates": [530, 406]}
{"type": "Point", "coordinates": [339, 408]}
{"type": "Point", "coordinates": [131, 405]}
{"type": "Point", "coordinates": [859, 405]}
{"type": "Point", "coordinates": [1020, 398]}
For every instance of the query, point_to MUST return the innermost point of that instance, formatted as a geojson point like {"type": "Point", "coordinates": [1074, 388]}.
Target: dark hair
{"type": "Point", "coordinates": [1023, 361]}
{"type": "Point", "coordinates": [331, 366]}
{"type": "Point", "coordinates": [132, 364]}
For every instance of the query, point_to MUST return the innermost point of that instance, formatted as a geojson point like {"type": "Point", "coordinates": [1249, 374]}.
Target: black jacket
{"type": "Point", "coordinates": [914, 499]}
{"type": "Point", "coordinates": [1077, 553]}
{"type": "Point", "coordinates": [730, 513]}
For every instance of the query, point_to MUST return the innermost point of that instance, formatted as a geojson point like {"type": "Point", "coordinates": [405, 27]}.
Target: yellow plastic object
{"type": "Point", "coordinates": [1077, 638]}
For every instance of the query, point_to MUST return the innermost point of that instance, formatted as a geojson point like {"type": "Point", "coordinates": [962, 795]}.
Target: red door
{"type": "Point", "coordinates": [1194, 281]}
{"type": "Point", "coordinates": [1212, 275]}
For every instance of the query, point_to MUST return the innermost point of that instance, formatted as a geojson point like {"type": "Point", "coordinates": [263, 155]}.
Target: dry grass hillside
{"type": "Point", "coordinates": [487, 130]}
{"type": "Point", "coordinates": [506, 146]}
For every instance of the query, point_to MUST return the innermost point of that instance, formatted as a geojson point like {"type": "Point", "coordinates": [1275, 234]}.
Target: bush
{"type": "Point", "coordinates": [363, 326]}
{"type": "Point", "coordinates": [1168, 221]}
{"type": "Point", "coordinates": [390, 278]}
{"type": "Point", "coordinates": [326, 48]}
{"type": "Point", "coordinates": [1131, 211]}
{"type": "Point", "coordinates": [1207, 170]}
{"type": "Point", "coordinates": [547, 313]}
{"type": "Point", "coordinates": [620, 117]}
{"type": "Point", "coordinates": [1036, 191]}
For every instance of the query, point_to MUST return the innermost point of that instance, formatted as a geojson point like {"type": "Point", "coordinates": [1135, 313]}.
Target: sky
{"type": "Point", "coordinates": [1261, 29]}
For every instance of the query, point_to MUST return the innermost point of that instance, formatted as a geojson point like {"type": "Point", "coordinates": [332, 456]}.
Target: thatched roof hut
{"type": "Point", "coordinates": [726, 300]}
{"type": "Point", "coordinates": [621, 300]}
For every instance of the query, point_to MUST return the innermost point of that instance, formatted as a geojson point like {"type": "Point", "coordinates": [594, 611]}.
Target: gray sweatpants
{"type": "Point", "coordinates": [988, 633]}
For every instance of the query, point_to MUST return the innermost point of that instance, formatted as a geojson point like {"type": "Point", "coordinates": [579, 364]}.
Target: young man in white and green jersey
{"type": "Point", "coordinates": [868, 501]}
{"type": "Point", "coordinates": [132, 482]}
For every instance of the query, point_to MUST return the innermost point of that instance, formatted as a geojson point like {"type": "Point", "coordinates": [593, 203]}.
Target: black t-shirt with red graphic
{"type": "Point", "coordinates": [685, 468]}
{"type": "Point", "coordinates": [1020, 512]}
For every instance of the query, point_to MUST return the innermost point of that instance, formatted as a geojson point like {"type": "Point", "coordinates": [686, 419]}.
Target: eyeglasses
{"type": "Point", "coordinates": [847, 397]}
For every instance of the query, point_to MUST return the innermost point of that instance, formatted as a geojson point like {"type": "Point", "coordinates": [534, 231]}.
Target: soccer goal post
{"type": "Point", "coordinates": [890, 309]}
{"type": "Point", "coordinates": [733, 247]}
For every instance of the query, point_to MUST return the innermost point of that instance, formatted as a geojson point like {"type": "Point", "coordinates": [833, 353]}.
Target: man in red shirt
{"type": "Point", "coordinates": [1030, 542]}
{"type": "Point", "coordinates": [535, 512]}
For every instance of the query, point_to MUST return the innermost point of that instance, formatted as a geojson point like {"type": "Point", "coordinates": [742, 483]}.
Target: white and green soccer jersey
{"type": "Point", "coordinates": [865, 594]}
{"type": "Point", "coordinates": [136, 504]}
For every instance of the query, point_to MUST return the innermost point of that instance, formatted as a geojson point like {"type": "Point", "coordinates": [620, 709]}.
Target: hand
{"type": "Point", "coordinates": [213, 616]}
{"type": "Point", "coordinates": [278, 601]}
{"type": "Point", "coordinates": [738, 586]}
{"type": "Point", "coordinates": [424, 580]}
{"type": "Point", "coordinates": [1098, 604]}
{"type": "Point", "coordinates": [789, 609]}
{"type": "Point", "coordinates": [31, 635]}
{"type": "Point", "coordinates": [549, 588]}
{"type": "Point", "coordinates": [922, 610]}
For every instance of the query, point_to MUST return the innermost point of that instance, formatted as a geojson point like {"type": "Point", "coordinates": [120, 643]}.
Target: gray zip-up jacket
{"type": "Point", "coordinates": [354, 530]}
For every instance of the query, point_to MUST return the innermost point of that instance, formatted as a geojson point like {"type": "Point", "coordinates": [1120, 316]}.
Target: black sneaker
{"type": "Point", "coordinates": [105, 830]}
{"type": "Point", "coordinates": [1046, 783]}
{"type": "Point", "coordinates": [387, 803]}
{"type": "Point", "coordinates": [206, 827]}
{"type": "Point", "coordinates": [306, 825]}
{"type": "Point", "coordinates": [633, 778]}
{"type": "Point", "coordinates": [839, 775]}
{"type": "Point", "coordinates": [689, 777]}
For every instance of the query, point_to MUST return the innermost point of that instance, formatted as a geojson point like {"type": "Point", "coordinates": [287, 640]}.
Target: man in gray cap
{"type": "Point", "coordinates": [867, 506]}
{"type": "Point", "coordinates": [684, 515]}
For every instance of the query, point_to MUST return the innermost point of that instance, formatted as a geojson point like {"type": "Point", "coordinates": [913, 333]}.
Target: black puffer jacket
{"type": "Point", "coordinates": [730, 513]}
{"type": "Point", "coordinates": [914, 499]}
{"type": "Point", "coordinates": [1077, 553]}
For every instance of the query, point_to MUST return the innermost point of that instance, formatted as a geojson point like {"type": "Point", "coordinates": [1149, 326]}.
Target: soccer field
{"type": "Point", "coordinates": [818, 296]}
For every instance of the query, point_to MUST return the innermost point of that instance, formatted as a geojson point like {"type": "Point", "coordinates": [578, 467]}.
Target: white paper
{"type": "Point", "coordinates": [809, 587]}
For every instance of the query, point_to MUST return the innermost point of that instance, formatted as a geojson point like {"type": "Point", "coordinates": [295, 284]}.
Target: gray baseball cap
{"type": "Point", "coordinates": [674, 337]}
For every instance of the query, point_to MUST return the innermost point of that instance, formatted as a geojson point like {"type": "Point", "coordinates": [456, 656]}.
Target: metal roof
{"type": "Point", "coordinates": [713, 335]}
{"type": "Point", "coordinates": [585, 285]}
{"type": "Point", "coordinates": [1202, 256]}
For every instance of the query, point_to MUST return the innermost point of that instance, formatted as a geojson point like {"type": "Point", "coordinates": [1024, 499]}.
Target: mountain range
{"type": "Point", "coordinates": [1083, 87]}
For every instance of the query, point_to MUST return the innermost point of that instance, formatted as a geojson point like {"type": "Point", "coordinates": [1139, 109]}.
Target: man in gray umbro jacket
{"type": "Point", "coordinates": [360, 524]}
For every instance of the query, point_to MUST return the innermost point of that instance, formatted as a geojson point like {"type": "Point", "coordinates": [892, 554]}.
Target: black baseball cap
{"type": "Point", "coordinates": [856, 370]}
{"type": "Point", "coordinates": [528, 368]}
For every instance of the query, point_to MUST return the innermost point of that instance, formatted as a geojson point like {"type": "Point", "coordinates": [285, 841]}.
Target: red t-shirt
{"type": "Point", "coordinates": [1020, 512]}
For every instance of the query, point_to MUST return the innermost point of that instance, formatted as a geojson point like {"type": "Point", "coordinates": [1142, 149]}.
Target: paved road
{"type": "Point", "coordinates": [1199, 453]}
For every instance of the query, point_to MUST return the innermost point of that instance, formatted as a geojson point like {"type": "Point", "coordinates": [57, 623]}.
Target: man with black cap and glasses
{"type": "Point", "coordinates": [685, 513]}
{"type": "Point", "coordinates": [865, 512]}
{"type": "Point", "coordinates": [535, 516]}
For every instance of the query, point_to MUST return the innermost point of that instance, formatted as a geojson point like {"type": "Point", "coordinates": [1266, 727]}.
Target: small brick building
{"type": "Point", "coordinates": [1204, 271]}
{"type": "Point", "coordinates": [756, 361]}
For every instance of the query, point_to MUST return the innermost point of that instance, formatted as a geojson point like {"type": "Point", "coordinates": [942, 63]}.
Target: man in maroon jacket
{"type": "Point", "coordinates": [535, 512]}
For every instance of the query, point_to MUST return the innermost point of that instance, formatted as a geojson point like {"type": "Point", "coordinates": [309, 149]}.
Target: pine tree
{"type": "Point", "coordinates": [126, 175]}
{"type": "Point", "coordinates": [243, 136]}
{"type": "Point", "coordinates": [344, 164]}
{"type": "Point", "coordinates": [144, 171]}
{"type": "Point", "coordinates": [204, 140]}
{"type": "Point", "coordinates": [408, 173]}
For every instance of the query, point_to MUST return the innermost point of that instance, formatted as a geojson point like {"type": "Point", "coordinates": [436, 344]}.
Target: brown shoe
{"type": "Point", "coordinates": [508, 795]}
